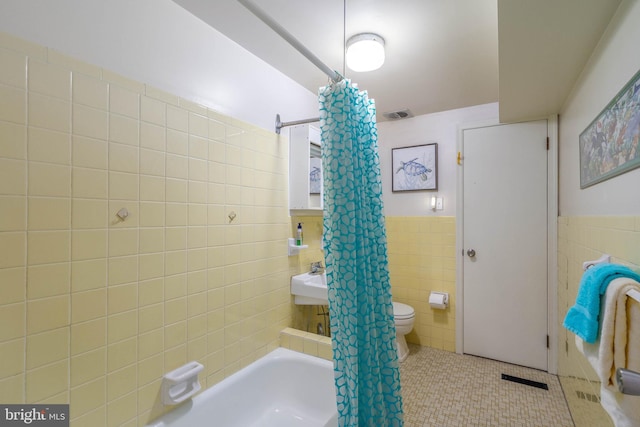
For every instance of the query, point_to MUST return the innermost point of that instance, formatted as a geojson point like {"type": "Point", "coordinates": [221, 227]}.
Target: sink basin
{"type": "Point", "coordinates": [309, 289]}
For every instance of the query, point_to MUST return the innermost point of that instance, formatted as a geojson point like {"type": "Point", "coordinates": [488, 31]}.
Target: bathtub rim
{"type": "Point", "coordinates": [167, 419]}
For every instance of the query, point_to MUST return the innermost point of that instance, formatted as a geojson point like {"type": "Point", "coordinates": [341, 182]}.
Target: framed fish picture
{"type": "Point", "coordinates": [415, 168]}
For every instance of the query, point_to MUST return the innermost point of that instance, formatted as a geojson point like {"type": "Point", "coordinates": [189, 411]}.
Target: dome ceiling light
{"type": "Point", "coordinates": [365, 52]}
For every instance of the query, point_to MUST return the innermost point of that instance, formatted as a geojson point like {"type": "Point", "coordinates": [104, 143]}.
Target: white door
{"type": "Point", "coordinates": [505, 224]}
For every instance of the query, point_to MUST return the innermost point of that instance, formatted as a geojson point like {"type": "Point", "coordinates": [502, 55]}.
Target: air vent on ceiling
{"type": "Point", "coordinates": [400, 114]}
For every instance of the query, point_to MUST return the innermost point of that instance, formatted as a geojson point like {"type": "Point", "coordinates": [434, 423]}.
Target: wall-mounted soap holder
{"type": "Point", "coordinates": [294, 249]}
{"type": "Point", "coordinates": [180, 384]}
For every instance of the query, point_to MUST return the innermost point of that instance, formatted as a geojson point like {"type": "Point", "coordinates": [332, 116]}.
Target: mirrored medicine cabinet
{"type": "Point", "coordinates": [305, 169]}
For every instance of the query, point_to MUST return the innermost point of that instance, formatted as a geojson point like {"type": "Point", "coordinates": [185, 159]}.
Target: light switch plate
{"type": "Point", "coordinates": [439, 204]}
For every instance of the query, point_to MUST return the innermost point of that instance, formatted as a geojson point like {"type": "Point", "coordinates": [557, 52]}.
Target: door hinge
{"type": "Point", "coordinates": [566, 346]}
{"type": "Point", "coordinates": [547, 341]}
{"type": "Point", "coordinates": [547, 143]}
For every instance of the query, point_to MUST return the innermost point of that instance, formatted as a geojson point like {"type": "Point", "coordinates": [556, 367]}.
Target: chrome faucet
{"type": "Point", "coordinates": [316, 268]}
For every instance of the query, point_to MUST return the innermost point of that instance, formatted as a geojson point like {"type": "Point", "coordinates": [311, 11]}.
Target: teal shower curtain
{"type": "Point", "coordinates": [355, 244]}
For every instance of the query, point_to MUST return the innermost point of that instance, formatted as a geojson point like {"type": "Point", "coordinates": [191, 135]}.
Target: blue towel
{"type": "Point", "coordinates": [582, 318]}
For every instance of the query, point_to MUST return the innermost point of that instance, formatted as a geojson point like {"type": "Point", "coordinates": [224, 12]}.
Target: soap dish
{"type": "Point", "coordinates": [182, 383]}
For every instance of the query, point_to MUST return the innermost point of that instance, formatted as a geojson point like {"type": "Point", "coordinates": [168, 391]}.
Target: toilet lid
{"type": "Point", "coordinates": [402, 311]}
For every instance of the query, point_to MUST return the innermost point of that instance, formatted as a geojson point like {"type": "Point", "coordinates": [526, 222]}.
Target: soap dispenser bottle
{"type": "Point", "coordinates": [299, 235]}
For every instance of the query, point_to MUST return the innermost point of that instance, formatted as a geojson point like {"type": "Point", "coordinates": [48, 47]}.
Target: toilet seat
{"type": "Point", "coordinates": [402, 311]}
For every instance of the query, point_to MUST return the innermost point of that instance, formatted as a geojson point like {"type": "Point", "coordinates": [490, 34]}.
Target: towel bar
{"type": "Point", "coordinates": [628, 381]}
{"type": "Point", "coordinates": [634, 294]}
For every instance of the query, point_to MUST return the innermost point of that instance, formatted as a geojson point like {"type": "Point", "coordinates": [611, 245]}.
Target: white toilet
{"type": "Point", "coordinates": [404, 315]}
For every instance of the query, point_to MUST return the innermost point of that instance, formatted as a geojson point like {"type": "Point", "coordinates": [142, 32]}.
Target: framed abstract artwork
{"type": "Point", "coordinates": [609, 145]}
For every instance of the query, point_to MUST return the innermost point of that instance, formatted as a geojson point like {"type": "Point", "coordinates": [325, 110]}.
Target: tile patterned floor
{"type": "Point", "coordinates": [442, 389]}
{"type": "Point", "coordinates": [583, 398]}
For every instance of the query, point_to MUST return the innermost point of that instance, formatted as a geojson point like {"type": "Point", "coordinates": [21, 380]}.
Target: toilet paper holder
{"type": "Point", "coordinates": [438, 300]}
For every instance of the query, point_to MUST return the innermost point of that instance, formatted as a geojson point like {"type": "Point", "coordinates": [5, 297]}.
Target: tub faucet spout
{"type": "Point", "coordinates": [316, 267]}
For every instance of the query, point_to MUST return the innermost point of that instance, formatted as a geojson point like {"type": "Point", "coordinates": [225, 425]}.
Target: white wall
{"type": "Point", "coordinates": [438, 127]}
{"type": "Point", "coordinates": [612, 64]}
{"type": "Point", "coordinates": [159, 43]}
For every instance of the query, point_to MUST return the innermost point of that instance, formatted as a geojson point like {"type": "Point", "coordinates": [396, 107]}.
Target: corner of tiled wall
{"type": "Point", "coordinates": [305, 317]}
{"type": "Point", "coordinates": [95, 308]}
{"type": "Point", "coordinates": [306, 342]}
{"type": "Point", "coordinates": [312, 228]}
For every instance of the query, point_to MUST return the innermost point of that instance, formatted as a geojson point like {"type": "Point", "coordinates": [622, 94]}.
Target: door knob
{"type": "Point", "coordinates": [471, 252]}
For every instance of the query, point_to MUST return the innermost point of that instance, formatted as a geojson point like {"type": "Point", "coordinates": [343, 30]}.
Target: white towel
{"type": "Point", "coordinates": [618, 347]}
{"type": "Point", "coordinates": [619, 344]}
{"type": "Point", "coordinates": [633, 334]}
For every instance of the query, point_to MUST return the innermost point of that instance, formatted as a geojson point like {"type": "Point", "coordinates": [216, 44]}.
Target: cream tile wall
{"type": "Point", "coordinates": [94, 309]}
{"type": "Point", "coordinates": [421, 259]}
{"type": "Point", "coordinates": [307, 317]}
{"type": "Point", "coordinates": [581, 239]}
{"type": "Point", "coordinates": [312, 235]}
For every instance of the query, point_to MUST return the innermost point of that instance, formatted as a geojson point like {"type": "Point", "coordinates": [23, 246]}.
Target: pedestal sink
{"type": "Point", "coordinates": [309, 289]}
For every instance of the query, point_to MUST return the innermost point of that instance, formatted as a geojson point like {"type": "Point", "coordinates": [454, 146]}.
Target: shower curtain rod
{"type": "Point", "coordinates": [288, 37]}
{"type": "Point", "coordinates": [295, 43]}
{"type": "Point", "coordinates": [280, 124]}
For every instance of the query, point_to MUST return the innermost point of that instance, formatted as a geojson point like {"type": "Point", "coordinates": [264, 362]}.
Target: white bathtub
{"type": "Point", "coordinates": [284, 389]}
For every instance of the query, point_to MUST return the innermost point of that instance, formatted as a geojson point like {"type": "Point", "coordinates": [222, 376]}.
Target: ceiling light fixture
{"type": "Point", "coordinates": [365, 52]}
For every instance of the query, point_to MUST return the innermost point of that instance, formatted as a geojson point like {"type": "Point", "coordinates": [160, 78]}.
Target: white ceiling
{"type": "Point", "coordinates": [440, 54]}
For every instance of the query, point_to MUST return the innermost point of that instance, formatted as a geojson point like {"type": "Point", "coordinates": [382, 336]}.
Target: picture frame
{"type": "Point", "coordinates": [609, 145]}
{"type": "Point", "coordinates": [415, 168]}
